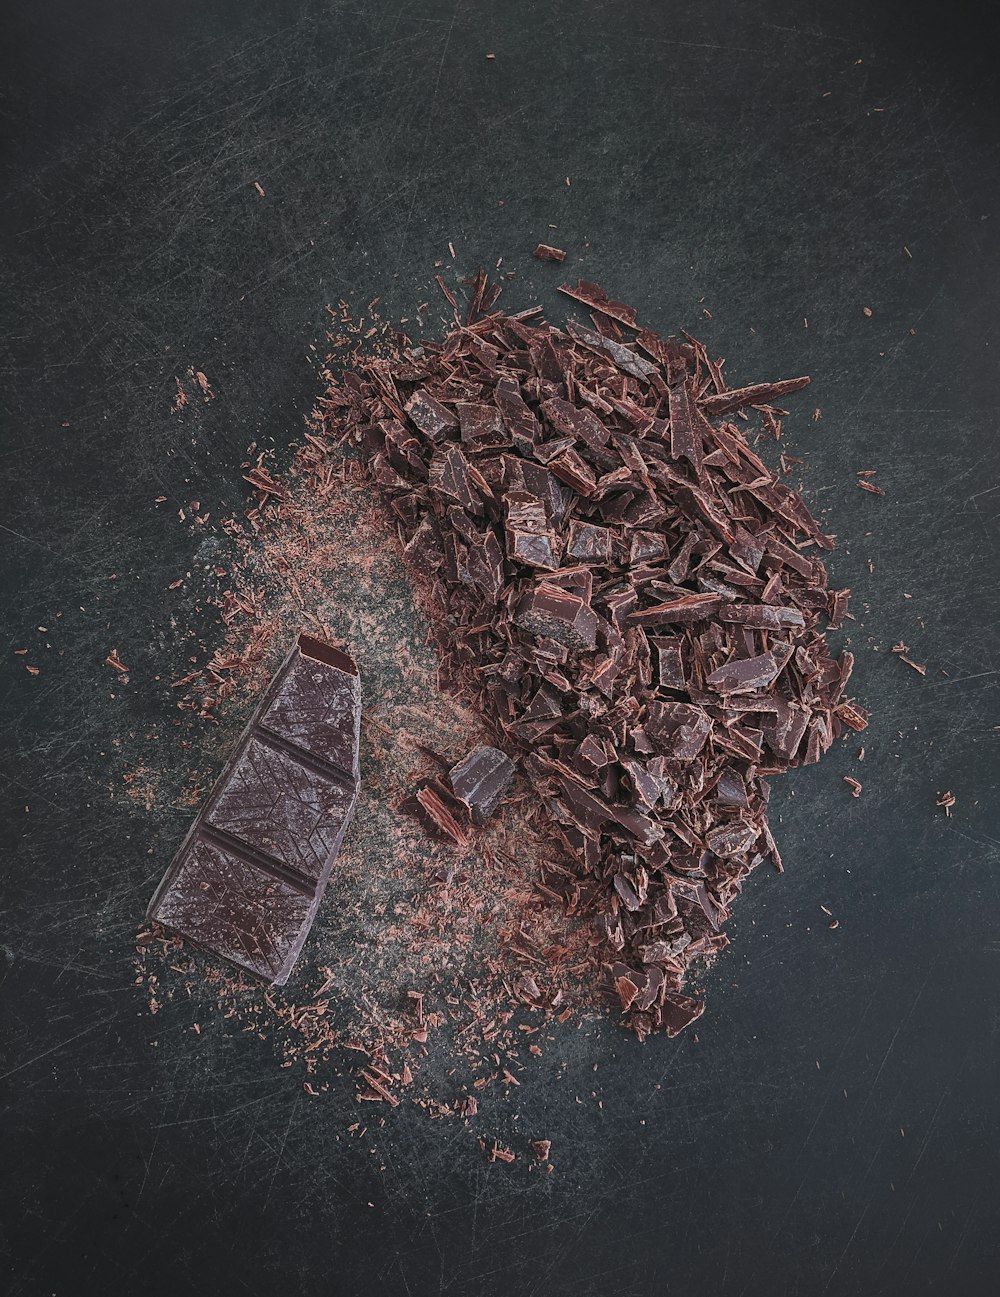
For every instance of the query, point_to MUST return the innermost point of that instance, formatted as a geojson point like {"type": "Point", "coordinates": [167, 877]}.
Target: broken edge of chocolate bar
{"type": "Point", "coordinates": [249, 876]}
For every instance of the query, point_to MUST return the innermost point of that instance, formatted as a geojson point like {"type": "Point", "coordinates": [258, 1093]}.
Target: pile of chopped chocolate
{"type": "Point", "coordinates": [633, 596]}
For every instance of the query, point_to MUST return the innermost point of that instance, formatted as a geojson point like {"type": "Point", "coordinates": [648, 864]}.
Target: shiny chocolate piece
{"type": "Point", "coordinates": [480, 780]}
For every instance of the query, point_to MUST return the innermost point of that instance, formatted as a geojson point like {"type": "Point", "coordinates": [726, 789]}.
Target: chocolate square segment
{"type": "Point", "coordinates": [249, 876]}
{"type": "Point", "coordinates": [316, 705]}
{"type": "Point", "coordinates": [234, 909]}
{"type": "Point", "coordinates": [281, 806]}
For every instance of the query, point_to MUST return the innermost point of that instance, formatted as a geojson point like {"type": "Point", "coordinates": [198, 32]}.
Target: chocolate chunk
{"type": "Point", "coordinates": [670, 661]}
{"type": "Point", "coordinates": [558, 615]}
{"type": "Point", "coordinates": [544, 252]}
{"type": "Point", "coordinates": [480, 424]}
{"type": "Point", "coordinates": [744, 675]}
{"type": "Point", "coordinates": [431, 417]}
{"type": "Point", "coordinates": [248, 879]}
{"type": "Point", "coordinates": [480, 780]}
{"type": "Point", "coordinates": [589, 542]}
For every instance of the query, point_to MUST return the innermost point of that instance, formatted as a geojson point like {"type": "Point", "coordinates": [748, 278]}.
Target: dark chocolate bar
{"type": "Point", "coordinates": [248, 878]}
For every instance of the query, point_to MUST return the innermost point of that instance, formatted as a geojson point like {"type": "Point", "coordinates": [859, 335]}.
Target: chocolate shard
{"type": "Point", "coordinates": [731, 839]}
{"type": "Point", "coordinates": [248, 879]}
{"type": "Point", "coordinates": [679, 1011]}
{"type": "Point", "coordinates": [627, 361]}
{"type": "Point", "coordinates": [432, 418]}
{"type": "Point", "coordinates": [518, 416]}
{"type": "Point", "coordinates": [570, 421]}
{"type": "Point", "coordinates": [759, 394]}
{"type": "Point", "coordinates": [444, 812]}
{"type": "Point", "coordinates": [448, 474]}
{"type": "Point", "coordinates": [559, 615]}
{"type": "Point", "coordinates": [762, 616]}
{"type": "Point", "coordinates": [596, 298]}
{"type": "Point", "coordinates": [687, 608]}
{"type": "Point", "coordinates": [688, 426]}
{"type": "Point", "coordinates": [545, 252]}
{"type": "Point", "coordinates": [744, 675]}
{"type": "Point", "coordinates": [670, 662]}
{"type": "Point", "coordinates": [480, 780]}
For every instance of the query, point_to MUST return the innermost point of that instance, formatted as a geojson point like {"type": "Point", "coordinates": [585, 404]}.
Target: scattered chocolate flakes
{"type": "Point", "coordinates": [545, 252]}
{"type": "Point", "coordinates": [946, 801]}
{"type": "Point", "coordinates": [870, 487]}
{"type": "Point", "coordinates": [541, 1148]}
{"type": "Point", "coordinates": [633, 597]}
{"type": "Point", "coordinates": [854, 785]}
{"type": "Point", "coordinates": [113, 660]}
{"type": "Point", "coordinates": [901, 652]}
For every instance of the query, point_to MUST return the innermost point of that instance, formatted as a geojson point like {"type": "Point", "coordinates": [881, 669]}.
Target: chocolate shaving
{"type": "Point", "coordinates": [544, 252]}
{"type": "Point", "coordinates": [442, 813]}
{"type": "Point", "coordinates": [596, 298]}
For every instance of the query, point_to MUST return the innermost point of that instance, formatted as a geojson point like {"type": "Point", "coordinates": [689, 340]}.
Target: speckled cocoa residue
{"type": "Point", "coordinates": [432, 971]}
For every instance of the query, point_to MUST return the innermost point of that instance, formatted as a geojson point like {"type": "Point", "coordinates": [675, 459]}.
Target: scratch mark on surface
{"type": "Point", "coordinates": [430, 123]}
{"type": "Point", "coordinates": [947, 170]}
{"type": "Point", "coordinates": [840, 1260]}
{"type": "Point", "coordinates": [281, 1150]}
{"type": "Point", "coordinates": [61, 1045]}
{"type": "Point", "coordinates": [930, 1131]}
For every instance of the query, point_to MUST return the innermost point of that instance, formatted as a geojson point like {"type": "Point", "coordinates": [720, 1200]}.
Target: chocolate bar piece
{"type": "Point", "coordinates": [248, 878]}
{"type": "Point", "coordinates": [480, 779]}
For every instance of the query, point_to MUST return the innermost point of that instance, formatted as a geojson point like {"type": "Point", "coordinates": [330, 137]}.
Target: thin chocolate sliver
{"type": "Point", "coordinates": [249, 876]}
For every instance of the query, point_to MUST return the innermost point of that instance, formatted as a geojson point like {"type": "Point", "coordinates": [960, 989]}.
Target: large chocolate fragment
{"type": "Point", "coordinates": [248, 878]}
{"type": "Point", "coordinates": [480, 780]}
{"type": "Point", "coordinates": [431, 417]}
{"type": "Point", "coordinates": [744, 675]}
{"type": "Point", "coordinates": [559, 615]}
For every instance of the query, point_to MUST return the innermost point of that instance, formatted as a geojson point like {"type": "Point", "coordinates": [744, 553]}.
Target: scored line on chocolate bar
{"type": "Point", "coordinates": [256, 858]}
{"type": "Point", "coordinates": [310, 760]}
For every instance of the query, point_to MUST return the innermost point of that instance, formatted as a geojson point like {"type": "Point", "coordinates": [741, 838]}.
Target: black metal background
{"type": "Point", "coordinates": [835, 1130]}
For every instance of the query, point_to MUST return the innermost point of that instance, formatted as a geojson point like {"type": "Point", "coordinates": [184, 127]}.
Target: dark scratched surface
{"type": "Point", "coordinates": [835, 1130]}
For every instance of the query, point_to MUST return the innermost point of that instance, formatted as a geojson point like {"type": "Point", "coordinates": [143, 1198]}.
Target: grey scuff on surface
{"type": "Point", "coordinates": [834, 1130]}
